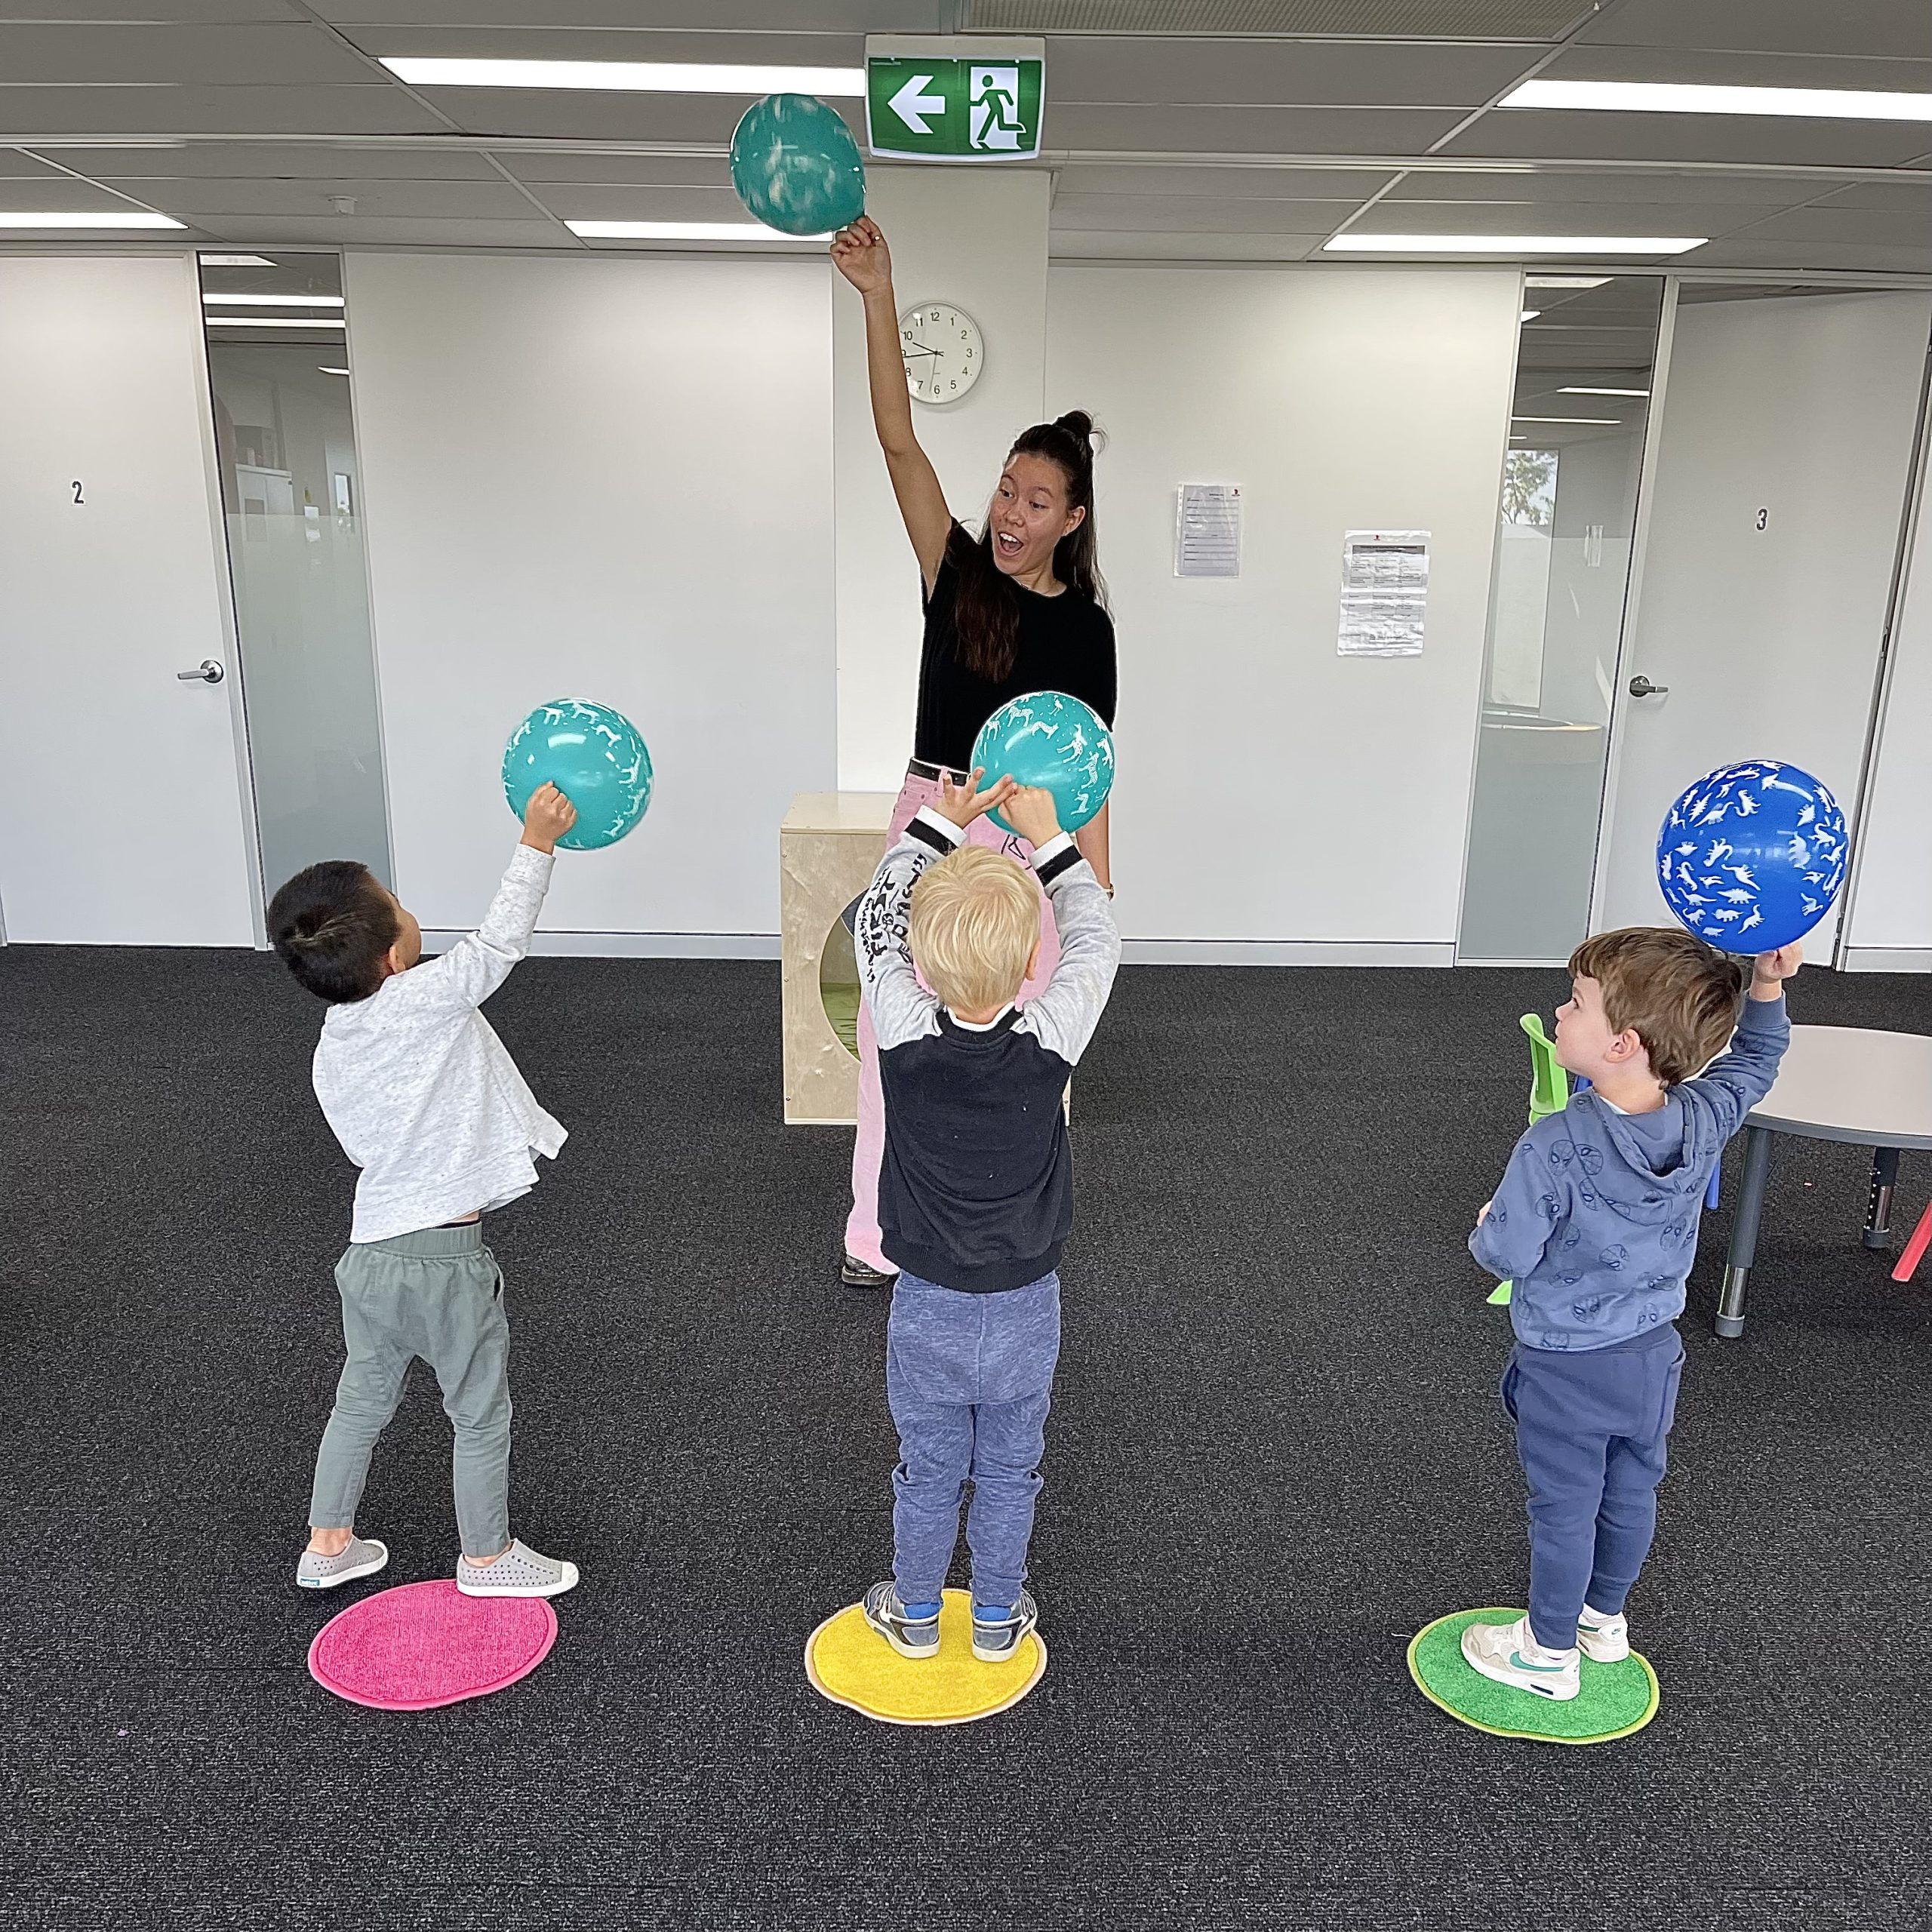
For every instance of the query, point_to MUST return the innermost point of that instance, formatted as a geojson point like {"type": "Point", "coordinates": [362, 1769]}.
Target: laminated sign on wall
{"type": "Point", "coordinates": [1207, 530]}
{"type": "Point", "coordinates": [1385, 590]}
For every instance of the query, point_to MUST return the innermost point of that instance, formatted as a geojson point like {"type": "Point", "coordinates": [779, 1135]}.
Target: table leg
{"type": "Point", "coordinates": [1744, 1231]}
{"type": "Point", "coordinates": [1879, 1209]}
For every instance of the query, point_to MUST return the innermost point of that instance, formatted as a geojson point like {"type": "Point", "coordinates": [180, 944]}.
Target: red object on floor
{"type": "Point", "coordinates": [1914, 1249]}
{"type": "Point", "coordinates": [422, 1645]}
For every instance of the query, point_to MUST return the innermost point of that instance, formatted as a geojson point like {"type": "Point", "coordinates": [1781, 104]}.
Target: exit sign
{"type": "Point", "coordinates": [985, 106]}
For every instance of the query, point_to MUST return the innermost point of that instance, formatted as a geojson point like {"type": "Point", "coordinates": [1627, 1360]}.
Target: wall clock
{"type": "Point", "coordinates": [943, 351]}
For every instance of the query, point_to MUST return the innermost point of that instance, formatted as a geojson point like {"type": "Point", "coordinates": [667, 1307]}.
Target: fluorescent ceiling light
{"type": "Point", "coordinates": [632, 76]}
{"type": "Point", "coordinates": [89, 218]}
{"type": "Point", "coordinates": [1529, 314]}
{"type": "Point", "coordinates": [274, 301]}
{"type": "Point", "coordinates": [1564, 281]}
{"type": "Point", "coordinates": [685, 231]}
{"type": "Point", "coordinates": [1583, 389]}
{"type": "Point", "coordinates": [236, 262]}
{"type": "Point", "coordinates": [323, 369]}
{"type": "Point", "coordinates": [1608, 421]}
{"type": "Point", "coordinates": [275, 322]}
{"type": "Point", "coordinates": [1690, 97]}
{"type": "Point", "coordinates": [1358, 243]}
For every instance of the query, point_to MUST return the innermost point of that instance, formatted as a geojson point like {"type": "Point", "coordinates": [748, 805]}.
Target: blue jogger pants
{"type": "Point", "coordinates": [1591, 1430]}
{"type": "Point", "coordinates": [969, 1378]}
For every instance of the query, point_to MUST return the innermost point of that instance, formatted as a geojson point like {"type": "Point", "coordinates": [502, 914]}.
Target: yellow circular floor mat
{"type": "Point", "coordinates": [849, 1662]}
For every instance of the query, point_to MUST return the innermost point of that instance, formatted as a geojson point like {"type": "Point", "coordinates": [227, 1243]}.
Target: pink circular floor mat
{"type": "Point", "coordinates": [422, 1645]}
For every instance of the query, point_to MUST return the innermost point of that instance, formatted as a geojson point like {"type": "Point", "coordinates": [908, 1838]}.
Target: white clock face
{"type": "Point", "coordinates": [943, 351]}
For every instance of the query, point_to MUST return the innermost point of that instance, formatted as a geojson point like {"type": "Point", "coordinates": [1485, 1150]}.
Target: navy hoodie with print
{"type": "Point", "coordinates": [1596, 1218]}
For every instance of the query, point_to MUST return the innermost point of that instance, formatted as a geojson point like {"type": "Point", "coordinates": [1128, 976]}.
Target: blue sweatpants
{"type": "Point", "coordinates": [969, 1378]}
{"type": "Point", "coordinates": [1591, 1429]}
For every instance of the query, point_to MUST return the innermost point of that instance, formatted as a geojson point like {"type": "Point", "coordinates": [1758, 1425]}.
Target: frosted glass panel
{"type": "Point", "coordinates": [1556, 616]}
{"type": "Point", "coordinates": [292, 490]}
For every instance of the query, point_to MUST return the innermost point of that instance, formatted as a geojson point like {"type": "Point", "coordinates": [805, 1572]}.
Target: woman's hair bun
{"type": "Point", "coordinates": [1079, 425]}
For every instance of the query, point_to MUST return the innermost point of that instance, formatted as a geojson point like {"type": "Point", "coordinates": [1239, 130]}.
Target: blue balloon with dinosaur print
{"type": "Point", "coordinates": [594, 756]}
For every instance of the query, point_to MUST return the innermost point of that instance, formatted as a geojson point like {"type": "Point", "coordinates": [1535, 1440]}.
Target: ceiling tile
{"type": "Point", "coordinates": [1861, 257]}
{"type": "Point", "coordinates": [1907, 195]}
{"type": "Point", "coordinates": [190, 11]}
{"type": "Point", "coordinates": [375, 109]}
{"type": "Point", "coordinates": [1901, 29]}
{"type": "Point", "coordinates": [538, 167]}
{"type": "Point", "coordinates": [1716, 190]}
{"type": "Point", "coordinates": [1553, 134]}
{"type": "Point", "coordinates": [14, 165]}
{"type": "Point", "coordinates": [534, 41]}
{"type": "Point", "coordinates": [241, 55]}
{"type": "Point", "coordinates": [65, 194]}
{"type": "Point", "coordinates": [1738, 69]}
{"type": "Point", "coordinates": [496, 198]}
{"type": "Point", "coordinates": [1237, 130]}
{"type": "Point", "coordinates": [1885, 227]}
{"type": "Point", "coordinates": [280, 160]}
{"type": "Point", "coordinates": [860, 17]}
{"type": "Point", "coordinates": [1554, 217]}
{"type": "Point", "coordinates": [1309, 73]}
{"type": "Point", "coordinates": [1111, 245]}
{"type": "Point", "coordinates": [574, 201]}
{"type": "Point", "coordinates": [1184, 213]}
{"type": "Point", "coordinates": [598, 116]}
{"type": "Point", "coordinates": [1207, 183]}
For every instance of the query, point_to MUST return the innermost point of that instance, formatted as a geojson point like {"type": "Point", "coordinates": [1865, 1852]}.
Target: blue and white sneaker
{"type": "Point", "coordinates": [910, 1636]}
{"type": "Point", "coordinates": [997, 1634]}
{"type": "Point", "coordinates": [1508, 1653]}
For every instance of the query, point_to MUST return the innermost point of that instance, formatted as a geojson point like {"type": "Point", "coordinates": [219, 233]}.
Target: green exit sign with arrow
{"type": "Point", "coordinates": [986, 105]}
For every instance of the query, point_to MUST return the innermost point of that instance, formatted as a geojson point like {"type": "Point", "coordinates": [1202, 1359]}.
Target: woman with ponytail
{"type": "Point", "coordinates": [1021, 608]}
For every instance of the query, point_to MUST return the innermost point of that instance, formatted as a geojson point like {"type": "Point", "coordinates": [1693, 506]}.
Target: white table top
{"type": "Point", "coordinates": [1848, 1083]}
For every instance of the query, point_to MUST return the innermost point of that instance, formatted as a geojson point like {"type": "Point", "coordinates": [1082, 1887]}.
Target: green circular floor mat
{"type": "Point", "coordinates": [1616, 1699]}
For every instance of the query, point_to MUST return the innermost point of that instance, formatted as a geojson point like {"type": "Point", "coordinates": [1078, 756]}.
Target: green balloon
{"type": "Point", "coordinates": [796, 167]}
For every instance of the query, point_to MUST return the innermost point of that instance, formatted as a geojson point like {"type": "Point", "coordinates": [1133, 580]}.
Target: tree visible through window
{"type": "Point", "coordinates": [1529, 487]}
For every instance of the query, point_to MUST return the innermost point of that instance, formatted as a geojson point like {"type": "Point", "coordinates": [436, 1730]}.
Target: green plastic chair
{"type": "Point", "coordinates": [1549, 1094]}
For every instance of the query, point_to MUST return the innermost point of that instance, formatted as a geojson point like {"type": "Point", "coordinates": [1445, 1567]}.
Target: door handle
{"type": "Point", "coordinates": [1642, 687]}
{"type": "Point", "coordinates": [210, 673]}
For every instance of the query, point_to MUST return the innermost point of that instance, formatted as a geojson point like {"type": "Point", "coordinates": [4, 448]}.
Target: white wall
{"type": "Point", "coordinates": [608, 478]}
{"type": "Point", "coordinates": [1802, 409]}
{"type": "Point", "coordinates": [977, 237]}
{"type": "Point", "coordinates": [1890, 915]}
{"type": "Point", "coordinates": [1277, 800]}
{"type": "Point", "coordinates": [128, 826]}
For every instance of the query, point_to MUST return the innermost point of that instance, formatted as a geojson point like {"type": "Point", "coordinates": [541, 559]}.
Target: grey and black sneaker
{"type": "Point", "coordinates": [856, 1274]}
{"type": "Point", "coordinates": [885, 1611]}
{"type": "Point", "coordinates": [363, 1556]}
{"type": "Point", "coordinates": [997, 1634]}
{"type": "Point", "coordinates": [519, 1572]}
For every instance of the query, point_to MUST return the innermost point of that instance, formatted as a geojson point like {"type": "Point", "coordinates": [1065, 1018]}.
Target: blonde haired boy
{"type": "Point", "coordinates": [976, 1188]}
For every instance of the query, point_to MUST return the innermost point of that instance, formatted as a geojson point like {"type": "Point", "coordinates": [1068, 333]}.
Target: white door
{"type": "Point", "coordinates": [1784, 456]}
{"type": "Point", "coordinates": [124, 781]}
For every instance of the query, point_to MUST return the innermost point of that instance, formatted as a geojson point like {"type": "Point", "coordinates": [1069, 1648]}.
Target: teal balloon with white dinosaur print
{"type": "Point", "coordinates": [1050, 740]}
{"type": "Point", "coordinates": [595, 756]}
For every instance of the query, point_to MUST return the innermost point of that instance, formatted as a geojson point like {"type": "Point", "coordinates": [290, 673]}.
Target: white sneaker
{"type": "Point", "coordinates": [1603, 1639]}
{"type": "Point", "coordinates": [519, 1572]}
{"type": "Point", "coordinates": [1507, 1653]}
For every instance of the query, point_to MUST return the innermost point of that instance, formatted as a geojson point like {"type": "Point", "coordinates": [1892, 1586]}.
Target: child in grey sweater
{"type": "Point", "coordinates": [1596, 1222]}
{"type": "Point", "coordinates": [426, 1102]}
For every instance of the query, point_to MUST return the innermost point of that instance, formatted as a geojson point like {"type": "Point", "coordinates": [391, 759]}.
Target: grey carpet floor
{"type": "Point", "coordinates": [1275, 1453]}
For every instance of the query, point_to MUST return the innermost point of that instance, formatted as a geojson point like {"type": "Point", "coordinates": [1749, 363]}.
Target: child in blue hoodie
{"type": "Point", "coordinates": [1596, 1222]}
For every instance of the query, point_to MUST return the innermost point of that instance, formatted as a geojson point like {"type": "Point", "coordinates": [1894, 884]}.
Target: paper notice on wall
{"type": "Point", "coordinates": [1385, 590]}
{"type": "Point", "coordinates": [1207, 530]}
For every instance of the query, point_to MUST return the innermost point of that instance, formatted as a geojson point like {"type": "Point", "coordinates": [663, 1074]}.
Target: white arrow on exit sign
{"type": "Point", "coordinates": [912, 104]}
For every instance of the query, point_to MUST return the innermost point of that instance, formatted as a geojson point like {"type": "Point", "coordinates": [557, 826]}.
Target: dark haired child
{"type": "Point", "coordinates": [426, 1102]}
{"type": "Point", "coordinates": [1596, 1222]}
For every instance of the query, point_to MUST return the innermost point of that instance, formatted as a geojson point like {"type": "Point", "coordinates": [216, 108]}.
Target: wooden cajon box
{"type": "Point", "coordinates": [829, 845]}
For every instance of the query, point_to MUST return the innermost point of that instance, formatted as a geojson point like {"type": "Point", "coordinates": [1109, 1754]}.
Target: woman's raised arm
{"type": "Point", "coordinates": [863, 259]}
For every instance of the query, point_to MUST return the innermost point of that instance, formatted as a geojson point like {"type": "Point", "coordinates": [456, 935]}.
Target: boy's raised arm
{"type": "Point", "coordinates": [480, 962]}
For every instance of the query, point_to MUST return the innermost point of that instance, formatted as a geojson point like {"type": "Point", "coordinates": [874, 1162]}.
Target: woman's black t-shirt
{"type": "Point", "coordinates": [1065, 643]}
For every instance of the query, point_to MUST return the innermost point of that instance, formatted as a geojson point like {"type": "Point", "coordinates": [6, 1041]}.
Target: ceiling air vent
{"type": "Point", "coordinates": [1375, 20]}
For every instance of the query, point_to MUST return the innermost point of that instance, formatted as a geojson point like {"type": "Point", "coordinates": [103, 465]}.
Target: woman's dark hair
{"type": "Point", "coordinates": [332, 923]}
{"type": "Point", "coordinates": [986, 611]}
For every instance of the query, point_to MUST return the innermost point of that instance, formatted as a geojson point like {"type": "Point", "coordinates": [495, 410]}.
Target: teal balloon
{"type": "Point", "coordinates": [796, 167]}
{"type": "Point", "coordinates": [1050, 740]}
{"type": "Point", "coordinates": [596, 757]}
